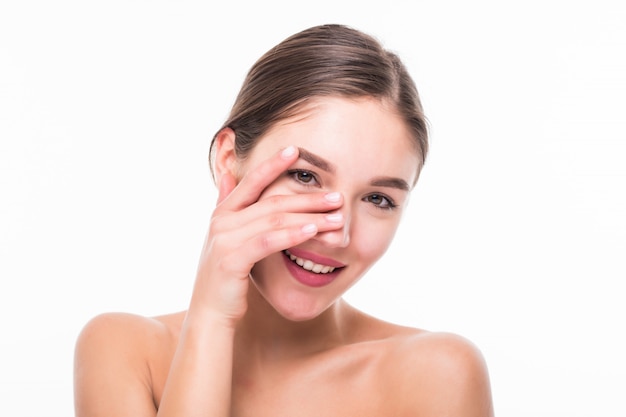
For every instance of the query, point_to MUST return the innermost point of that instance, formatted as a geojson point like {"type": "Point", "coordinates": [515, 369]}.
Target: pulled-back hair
{"type": "Point", "coordinates": [326, 60]}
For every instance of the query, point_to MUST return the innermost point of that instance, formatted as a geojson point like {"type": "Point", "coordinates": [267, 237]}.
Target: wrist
{"type": "Point", "coordinates": [207, 319]}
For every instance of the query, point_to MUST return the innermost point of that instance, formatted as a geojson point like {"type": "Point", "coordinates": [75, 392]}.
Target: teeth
{"type": "Point", "coordinates": [310, 265]}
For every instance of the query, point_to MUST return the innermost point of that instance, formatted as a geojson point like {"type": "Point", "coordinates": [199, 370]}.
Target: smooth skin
{"type": "Point", "coordinates": [255, 341]}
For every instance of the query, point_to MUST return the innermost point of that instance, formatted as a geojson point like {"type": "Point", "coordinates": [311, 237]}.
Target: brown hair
{"type": "Point", "coordinates": [326, 60]}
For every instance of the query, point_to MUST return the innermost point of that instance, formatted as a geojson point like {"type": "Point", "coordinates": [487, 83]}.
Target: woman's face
{"type": "Point", "coordinates": [361, 149]}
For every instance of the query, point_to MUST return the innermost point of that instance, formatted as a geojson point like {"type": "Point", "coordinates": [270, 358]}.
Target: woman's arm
{"type": "Point", "coordinates": [113, 368]}
{"type": "Point", "coordinates": [200, 377]}
{"type": "Point", "coordinates": [112, 376]}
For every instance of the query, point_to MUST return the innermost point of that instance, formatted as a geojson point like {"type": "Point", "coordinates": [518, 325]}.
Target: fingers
{"type": "Point", "coordinates": [275, 222]}
{"type": "Point", "coordinates": [245, 230]}
{"type": "Point", "coordinates": [264, 245]}
{"type": "Point", "coordinates": [278, 206]}
{"type": "Point", "coordinates": [258, 245]}
{"type": "Point", "coordinates": [235, 235]}
{"type": "Point", "coordinates": [254, 182]}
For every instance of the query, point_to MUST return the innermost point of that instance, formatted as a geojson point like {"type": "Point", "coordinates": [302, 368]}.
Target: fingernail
{"type": "Point", "coordinates": [288, 152]}
{"type": "Point", "coordinates": [309, 229]}
{"type": "Point", "coordinates": [334, 218]}
{"type": "Point", "coordinates": [333, 197]}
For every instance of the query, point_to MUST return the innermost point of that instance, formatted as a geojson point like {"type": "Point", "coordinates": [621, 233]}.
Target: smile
{"type": "Point", "coordinates": [310, 265]}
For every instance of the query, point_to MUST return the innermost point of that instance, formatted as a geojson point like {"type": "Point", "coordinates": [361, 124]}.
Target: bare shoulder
{"type": "Point", "coordinates": [417, 372]}
{"type": "Point", "coordinates": [440, 374]}
{"type": "Point", "coordinates": [116, 322]}
{"type": "Point", "coordinates": [129, 333]}
{"type": "Point", "coordinates": [117, 356]}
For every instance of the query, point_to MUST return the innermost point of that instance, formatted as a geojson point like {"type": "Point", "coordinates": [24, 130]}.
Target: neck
{"type": "Point", "coordinates": [265, 334]}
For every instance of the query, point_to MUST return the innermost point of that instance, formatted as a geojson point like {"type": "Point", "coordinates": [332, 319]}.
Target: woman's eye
{"type": "Point", "coordinates": [303, 177]}
{"type": "Point", "coordinates": [381, 201]}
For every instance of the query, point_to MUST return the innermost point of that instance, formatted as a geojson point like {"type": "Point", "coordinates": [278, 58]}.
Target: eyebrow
{"type": "Point", "coordinates": [316, 160]}
{"type": "Point", "coordinates": [391, 182]}
{"type": "Point", "coordinates": [323, 164]}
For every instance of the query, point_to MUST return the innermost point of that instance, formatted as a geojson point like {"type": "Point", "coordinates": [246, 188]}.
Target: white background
{"type": "Point", "coordinates": [516, 234]}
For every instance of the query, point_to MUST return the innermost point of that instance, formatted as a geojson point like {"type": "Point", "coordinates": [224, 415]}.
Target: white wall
{"type": "Point", "coordinates": [516, 236]}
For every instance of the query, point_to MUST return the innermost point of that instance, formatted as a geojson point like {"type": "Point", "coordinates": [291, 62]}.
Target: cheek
{"type": "Point", "coordinates": [373, 238]}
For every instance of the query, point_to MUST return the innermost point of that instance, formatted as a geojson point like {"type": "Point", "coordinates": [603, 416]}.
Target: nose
{"type": "Point", "coordinates": [338, 238]}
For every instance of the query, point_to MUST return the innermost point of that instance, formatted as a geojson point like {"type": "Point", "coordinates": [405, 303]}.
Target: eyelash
{"type": "Point", "coordinates": [295, 173]}
{"type": "Point", "coordinates": [390, 204]}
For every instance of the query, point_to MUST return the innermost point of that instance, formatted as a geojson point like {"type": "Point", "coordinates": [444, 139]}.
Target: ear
{"type": "Point", "coordinates": [225, 157]}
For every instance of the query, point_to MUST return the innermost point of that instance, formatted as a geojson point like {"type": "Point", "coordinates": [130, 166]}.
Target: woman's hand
{"type": "Point", "coordinates": [244, 230]}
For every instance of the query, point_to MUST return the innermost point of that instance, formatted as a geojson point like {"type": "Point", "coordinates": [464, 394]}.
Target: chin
{"type": "Point", "coordinates": [298, 313]}
{"type": "Point", "coordinates": [292, 304]}
{"type": "Point", "coordinates": [297, 307]}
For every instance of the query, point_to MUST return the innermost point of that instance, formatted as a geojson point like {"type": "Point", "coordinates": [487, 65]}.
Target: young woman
{"type": "Point", "coordinates": [314, 168]}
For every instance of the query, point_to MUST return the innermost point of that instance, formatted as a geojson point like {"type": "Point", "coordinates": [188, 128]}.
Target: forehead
{"type": "Point", "coordinates": [363, 131]}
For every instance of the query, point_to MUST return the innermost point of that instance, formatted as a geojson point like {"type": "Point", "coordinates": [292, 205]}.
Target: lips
{"type": "Point", "coordinates": [311, 270]}
{"type": "Point", "coordinates": [309, 265]}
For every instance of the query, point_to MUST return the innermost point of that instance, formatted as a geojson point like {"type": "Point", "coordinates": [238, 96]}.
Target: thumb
{"type": "Point", "coordinates": [226, 186]}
